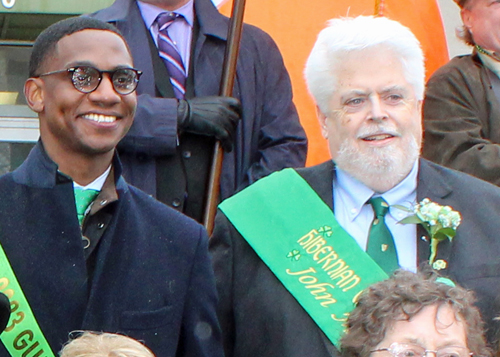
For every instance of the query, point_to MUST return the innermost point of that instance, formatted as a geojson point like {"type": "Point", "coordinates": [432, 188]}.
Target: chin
{"type": "Point", "coordinates": [379, 168]}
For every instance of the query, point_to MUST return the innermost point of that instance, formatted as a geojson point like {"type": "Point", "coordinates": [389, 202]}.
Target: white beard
{"type": "Point", "coordinates": [379, 168]}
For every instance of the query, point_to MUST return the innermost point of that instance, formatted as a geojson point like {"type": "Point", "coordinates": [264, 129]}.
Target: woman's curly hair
{"type": "Point", "coordinates": [403, 296]}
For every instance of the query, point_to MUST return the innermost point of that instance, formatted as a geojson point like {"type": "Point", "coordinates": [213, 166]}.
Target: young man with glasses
{"type": "Point", "coordinates": [415, 315]}
{"type": "Point", "coordinates": [89, 251]}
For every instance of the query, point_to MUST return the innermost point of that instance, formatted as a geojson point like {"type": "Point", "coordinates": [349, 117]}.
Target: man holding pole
{"type": "Point", "coordinates": [180, 46]}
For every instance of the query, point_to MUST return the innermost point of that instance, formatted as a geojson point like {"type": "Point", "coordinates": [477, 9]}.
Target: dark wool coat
{"type": "Point", "coordinates": [151, 280]}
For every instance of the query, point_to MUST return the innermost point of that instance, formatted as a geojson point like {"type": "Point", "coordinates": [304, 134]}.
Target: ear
{"type": "Point", "coordinates": [322, 118]}
{"type": "Point", "coordinates": [466, 18]}
{"type": "Point", "coordinates": [34, 93]}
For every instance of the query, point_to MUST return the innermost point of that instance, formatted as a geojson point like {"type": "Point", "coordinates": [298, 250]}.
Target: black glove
{"type": "Point", "coordinates": [211, 116]}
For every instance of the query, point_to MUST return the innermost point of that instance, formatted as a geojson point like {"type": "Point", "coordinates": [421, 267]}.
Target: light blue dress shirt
{"type": "Point", "coordinates": [181, 31]}
{"type": "Point", "coordinates": [355, 214]}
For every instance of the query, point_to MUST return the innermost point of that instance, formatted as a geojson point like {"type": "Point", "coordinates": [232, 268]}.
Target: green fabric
{"type": "Point", "coordinates": [83, 198]}
{"type": "Point", "coordinates": [297, 236]}
{"type": "Point", "coordinates": [22, 336]}
{"type": "Point", "coordinates": [380, 241]}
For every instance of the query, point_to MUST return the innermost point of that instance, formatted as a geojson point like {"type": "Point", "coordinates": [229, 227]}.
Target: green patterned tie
{"type": "Point", "coordinates": [83, 198]}
{"type": "Point", "coordinates": [380, 242]}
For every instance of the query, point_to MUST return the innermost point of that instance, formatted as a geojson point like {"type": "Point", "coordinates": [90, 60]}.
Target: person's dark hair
{"type": "Point", "coordinates": [46, 42]}
{"type": "Point", "coordinates": [403, 296]}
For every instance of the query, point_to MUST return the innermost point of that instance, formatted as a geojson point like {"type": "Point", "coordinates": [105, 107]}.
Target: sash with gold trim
{"type": "Point", "coordinates": [297, 236]}
{"type": "Point", "coordinates": [22, 336]}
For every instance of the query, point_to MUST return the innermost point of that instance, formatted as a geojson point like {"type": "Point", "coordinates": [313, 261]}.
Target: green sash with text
{"type": "Point", "coordinates": [22, 336]}
{"type": "Point", "coordinates": [297, 236]}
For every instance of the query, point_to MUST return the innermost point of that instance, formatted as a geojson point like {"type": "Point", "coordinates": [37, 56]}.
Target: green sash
{"type": "Point", "coordinates": [297, 236]}
{"type": "Point", "coordinates": [23, 336]}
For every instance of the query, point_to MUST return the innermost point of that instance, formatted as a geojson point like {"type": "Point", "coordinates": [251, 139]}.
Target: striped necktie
{"type": "Point", "coordinates": [380, 241]}
{"type": "Point", "coordinates": [170, 54]}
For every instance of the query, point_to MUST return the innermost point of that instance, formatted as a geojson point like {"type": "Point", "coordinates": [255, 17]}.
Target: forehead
{"type": "Point", "coordinates": [98, 47]}
{"type": "Point", "coordinates": [433, 324]}
{"type": "Point", "coordinates": [370, 69]}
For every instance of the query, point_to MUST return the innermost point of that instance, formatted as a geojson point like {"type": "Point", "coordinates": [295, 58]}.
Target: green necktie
{"type": "Point", "coordinates": [380, 242]}
{"type": "Point", "coordinates": [83, 198]}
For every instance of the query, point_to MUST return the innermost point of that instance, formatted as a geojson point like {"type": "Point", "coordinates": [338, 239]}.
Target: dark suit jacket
{"type": "Point", "coordinates": [259, 317]}
{"type": "Point", "coordinates": [152, 278]}
{"type": "Point", "coordinates": [268, 138]}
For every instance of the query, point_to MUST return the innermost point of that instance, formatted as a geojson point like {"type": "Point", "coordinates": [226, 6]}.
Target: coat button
{"type": "Point", "coordinates": [186, 154]}
{"type": "Point", "coordinates": [100, 225]}
{"type": "Point", "coordinates": [176, 202]}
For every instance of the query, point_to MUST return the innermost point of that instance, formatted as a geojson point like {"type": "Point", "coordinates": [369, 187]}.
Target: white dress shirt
{"type": "Point", "coordinates": [355, 214]}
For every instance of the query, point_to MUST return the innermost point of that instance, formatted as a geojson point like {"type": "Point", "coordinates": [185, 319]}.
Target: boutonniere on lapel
{"type": "Point", "coordinates": [440, 222]}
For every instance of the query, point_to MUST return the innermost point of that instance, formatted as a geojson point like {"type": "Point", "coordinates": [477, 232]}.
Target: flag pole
{"type": "Point", "coordinates": [226, 89]}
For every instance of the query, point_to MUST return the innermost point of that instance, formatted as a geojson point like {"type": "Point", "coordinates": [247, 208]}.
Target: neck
{"type": "Point", "coordinates": [82, 169]}
{"type": "Point", "coordinates": [488, 53]}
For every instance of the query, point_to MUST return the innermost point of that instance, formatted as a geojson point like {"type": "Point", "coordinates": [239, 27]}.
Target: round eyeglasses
{"type": "Point", "coordinates": [86, 79]}
{"type": "Point", "coordinates": [410, 350]}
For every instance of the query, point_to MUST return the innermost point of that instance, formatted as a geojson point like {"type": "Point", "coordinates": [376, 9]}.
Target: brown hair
{"type": "Point", "coordinates": [406, 294]}
{"type": "Point", "coordinates": [94, 344]}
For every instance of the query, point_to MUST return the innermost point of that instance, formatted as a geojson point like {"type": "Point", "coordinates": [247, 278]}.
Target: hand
{"type": "Point", "coordinates": [211, 116]}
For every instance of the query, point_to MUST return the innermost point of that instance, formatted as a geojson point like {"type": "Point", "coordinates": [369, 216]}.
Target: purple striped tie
{"type": "Point", "coordinates": [170, 54]}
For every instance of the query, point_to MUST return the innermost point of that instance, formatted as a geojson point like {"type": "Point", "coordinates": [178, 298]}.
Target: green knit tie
{"type": "Point", "coordinates": [83, 198]}
{"type": "Point", "coordinates": [380, 242]}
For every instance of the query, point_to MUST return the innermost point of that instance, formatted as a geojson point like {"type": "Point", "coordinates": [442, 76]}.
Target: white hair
{"type": "Point", "coordinates": [345, 35]}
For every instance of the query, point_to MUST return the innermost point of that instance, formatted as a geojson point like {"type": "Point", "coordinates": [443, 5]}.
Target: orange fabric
{"type": "Point", "coordinates": [294, 25]}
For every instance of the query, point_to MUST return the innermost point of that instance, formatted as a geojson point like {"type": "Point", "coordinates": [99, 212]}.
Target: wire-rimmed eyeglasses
{"type": "Point", "coordinates": [86, 79]}
{"type": "Point", "coordinates": [411, 350]}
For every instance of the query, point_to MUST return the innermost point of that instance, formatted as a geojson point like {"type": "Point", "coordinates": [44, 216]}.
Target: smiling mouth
{"type": "Point", "coordinates": [377, 137]}
{"type": "Point", "coordinates": [100, 118]}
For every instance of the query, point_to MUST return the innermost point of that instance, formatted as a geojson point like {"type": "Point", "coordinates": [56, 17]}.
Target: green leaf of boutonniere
{"type": "Point", "coordinates": [440, 222]}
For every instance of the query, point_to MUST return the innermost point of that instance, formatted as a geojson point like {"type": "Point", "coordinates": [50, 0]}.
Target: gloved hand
{"type": "Point", "coordinates": [211, 116]}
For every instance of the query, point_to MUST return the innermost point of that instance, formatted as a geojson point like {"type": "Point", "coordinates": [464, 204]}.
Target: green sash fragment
{"type": "Point", "coordinates": [297, 236]}
{"type": "Point", "coordinates": [23, 336]}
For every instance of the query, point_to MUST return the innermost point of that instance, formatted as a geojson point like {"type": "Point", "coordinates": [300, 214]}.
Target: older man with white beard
{"type": "Point", "coordinates": [293, 251]}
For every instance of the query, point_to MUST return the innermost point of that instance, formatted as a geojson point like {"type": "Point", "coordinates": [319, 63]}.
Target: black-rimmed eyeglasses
{"type": "Point", "coordinates": [86, 79]}
{"type": "Point", "coordinates": [411, 350]}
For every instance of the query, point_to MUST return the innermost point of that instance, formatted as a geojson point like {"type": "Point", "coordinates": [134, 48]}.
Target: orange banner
{"type": "Point", "coordinates": [294, 25]}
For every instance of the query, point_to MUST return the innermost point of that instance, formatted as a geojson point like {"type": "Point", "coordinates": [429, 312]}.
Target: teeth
{"type": "Point", "coordinates": [100, 118]}
{"type": "Point", "coordinates": [378, 137]}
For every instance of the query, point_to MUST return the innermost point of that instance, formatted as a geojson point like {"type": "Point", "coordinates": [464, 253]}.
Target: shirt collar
{"type": "Point", "coordinates": [356, 194]}
{"type": "Point", "coordinates": [150, 12]}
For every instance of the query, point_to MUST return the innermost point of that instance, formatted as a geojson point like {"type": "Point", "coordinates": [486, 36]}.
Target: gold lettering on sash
{"type": "Point", "coordinates": [307, 238]}
{"type": "Point", "coordinates": [336, 268]}
{"type": "Point", "coordinates": [311, 283]}
{"type": "Point", "coordinates": [323, 250]}
{"type": "Point", "coordinates": [355, 280]}
{"type": "Point", "coordinates": [21, 341]}
{"type": "Point", "coordinates": [23, 344]}
{"type": "Point", "coordinates": [332, 256]}
{"type": "Point", "coordinates": [310, 270]}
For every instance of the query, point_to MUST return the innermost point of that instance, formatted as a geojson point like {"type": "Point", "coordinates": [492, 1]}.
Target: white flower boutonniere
{"type": "Point", "coordinates": [441, 222]}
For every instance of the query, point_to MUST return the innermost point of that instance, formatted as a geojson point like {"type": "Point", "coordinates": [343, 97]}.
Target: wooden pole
{"type": "Point", "coordinates": [226, 89]}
